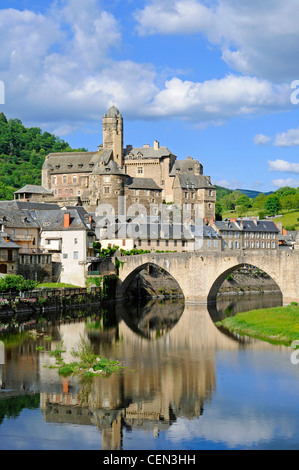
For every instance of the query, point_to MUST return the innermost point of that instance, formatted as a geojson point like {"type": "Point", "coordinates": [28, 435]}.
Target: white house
{"type": "Point", "coordinates": [68, 236]}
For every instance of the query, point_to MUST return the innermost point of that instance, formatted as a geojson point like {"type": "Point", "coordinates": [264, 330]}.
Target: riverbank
{"type": "Point", "coordinates": [279, 325]}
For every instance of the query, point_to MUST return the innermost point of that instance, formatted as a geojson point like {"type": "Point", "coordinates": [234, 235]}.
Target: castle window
{"type": "Point", "coordinates": [60, 192]}
{"type": "Point", "coordinates": [66, 192]}
{"type": "Point", "coordinates": [54, 180]}
{"type": "Point", "coordinates": [210, 193]}
{"type": "Point", "coordinates": [107, 179]}
{"type": "Point", "coordinates": [186, 195]}
{"type": "Point", "coordinates": [147, 192]}
{"type": "Point", "coordinates": [136, 192]}
{"type": "Point", "coordinates": [64, 180]}
{"type": "Point", "coordinates": [140, 170]}
{"type": "Point", "coordinates": [156, 193]}
{"type": "Point", "coordinates": [75, 179]}
{"type": "Point", "coordinates": [106, 190]}
{"type": "Point", "coordinates": [71, 191]}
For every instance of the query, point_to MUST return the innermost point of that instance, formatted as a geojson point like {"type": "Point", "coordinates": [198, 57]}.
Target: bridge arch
{"type": "Point", "coordinates": [124, 284]}
{"type": "Point", "coordinates": [214, 289]}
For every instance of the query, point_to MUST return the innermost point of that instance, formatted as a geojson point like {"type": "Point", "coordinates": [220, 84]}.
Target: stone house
{"type": "Point", "coordinates": [9, 256]}
{"type": "Point", "coordinates": [68, 236]}
{"type": "Point", "coordinates": [19, 226]}
{"type": "Point", "coordinates": [247, 234]}
{"type": "Point", "coordinates": [152, 235]}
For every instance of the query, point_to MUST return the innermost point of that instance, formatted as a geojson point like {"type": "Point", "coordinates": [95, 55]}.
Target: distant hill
{"type": "Point", "coordinates": [22, 154]}
{"type": "Point", "coordinates": [252, 194]}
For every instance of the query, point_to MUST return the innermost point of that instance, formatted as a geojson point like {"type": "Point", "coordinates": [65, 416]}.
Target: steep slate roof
{"type": "Point", "coordinates": [191, 181]}
{"type": "Point", "coordinates": [158, 230]}
{"type": "Point", "coordinates": [147, 153]}
{"type": "Point", "coordinates": [5, 244]}
{"type": "Point", "coordinates": [54, 220]}
{"type": "Point", "coordinates": [113, 112]}
{"type": "Point", "coordinates": [76, 162]}
{"type": "Point", "coordinates": [33, 189]}
{"type": "Point", "coordinates": [186, 166]}
{"type": "Point", "coordinates": [31, 206]}
{"type": "Point", "coordinates": [14, 217]}
{"type": "Point", "coordinates": [111, 168]}
{"type": "Point", "coordinates": [248, 225]}
{"type": "Point", "coordinates": [142, 183]}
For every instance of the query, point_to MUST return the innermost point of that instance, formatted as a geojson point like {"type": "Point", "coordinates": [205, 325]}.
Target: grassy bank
{"type": "Point", "coordinates": [57, 285]}
{"type": "Point", "coordinates": [278, 325]}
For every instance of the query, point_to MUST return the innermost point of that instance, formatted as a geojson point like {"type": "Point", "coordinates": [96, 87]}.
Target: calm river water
{"type": "Point", "coordinates": [185, 386]}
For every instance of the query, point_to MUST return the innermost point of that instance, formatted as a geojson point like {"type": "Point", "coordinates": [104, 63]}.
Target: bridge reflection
{"type": "Point", "coordinates": [167, 375]}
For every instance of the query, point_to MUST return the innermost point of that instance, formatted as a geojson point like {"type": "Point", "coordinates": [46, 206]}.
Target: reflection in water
{"type": "Point", "coordinates": [230, 305]}
{"type": "Point", "coordinates": [169, 353]}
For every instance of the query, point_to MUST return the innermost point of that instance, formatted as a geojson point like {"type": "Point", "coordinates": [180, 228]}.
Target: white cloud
{"type": "Point", "coordinates": [57, 69]}
{"type": "Point", "coordinates": [229, 184]}
{"type": "Point", "coordinates": [255, 37]}
{"type": "Point", "coordinates": [281, 183]}
{"type": "Point", "coordinates": [261, 139]}
{"type": "Point", "coordinates": [287, 139]}
{"type": "Point", "coordinates": [283, 166]}
{"type": "Point", "coordinates": [231, 430]}
{"type": "Point", "coordinates": [216, 100]}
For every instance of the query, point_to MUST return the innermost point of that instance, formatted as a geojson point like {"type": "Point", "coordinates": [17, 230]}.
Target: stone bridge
{"type": "Point", "coordinates": [200, 275]}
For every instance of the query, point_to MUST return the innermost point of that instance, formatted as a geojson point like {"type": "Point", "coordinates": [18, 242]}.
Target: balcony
{"type": "Point", "coordinates": [22, 238]}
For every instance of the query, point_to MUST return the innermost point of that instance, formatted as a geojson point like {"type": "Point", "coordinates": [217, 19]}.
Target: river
{"type": "Point", "coordinates": [185, 385]}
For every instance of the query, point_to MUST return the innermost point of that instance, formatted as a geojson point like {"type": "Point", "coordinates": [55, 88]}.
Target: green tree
{"type": "Point", "coordinates": [272, 205]}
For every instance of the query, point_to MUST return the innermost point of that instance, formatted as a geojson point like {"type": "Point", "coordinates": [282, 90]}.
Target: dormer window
{"type": "Point", "coordinates": [91, 165]}
{"type": "Point", "coordinates": [70, 167]}
{"type": "Point", "coordinates": [80, 165]}
{"type": "Point", "coordinates": [57, 167]}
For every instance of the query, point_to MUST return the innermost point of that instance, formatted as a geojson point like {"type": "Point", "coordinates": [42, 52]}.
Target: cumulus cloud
{"type": "Point", "coordinates": [230, 184]}
{"type": "Point", "coordinates": [281, 182]}
{"type": "Point", "coordinates": [255, 37]}
{"type": "Point", "coordinates": [261, 139]}
{"type": "Point", "coordinates": [287, 139]}
{"type": "Point", "coordinates": [218, 99]}
{"type": "Point", "coordinates": [58, 70]}
{"type": "Point", "coordinates": [56, 66]}
{"type": "Point", "coordinates": [283, 166]}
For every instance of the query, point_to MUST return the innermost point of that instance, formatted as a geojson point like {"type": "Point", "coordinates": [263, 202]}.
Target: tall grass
{"type": "Point", "coordinates": [278, 325]}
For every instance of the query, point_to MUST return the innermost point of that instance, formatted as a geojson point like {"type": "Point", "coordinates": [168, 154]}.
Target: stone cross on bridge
{"type": "Point", "coordinates": [200, 275]}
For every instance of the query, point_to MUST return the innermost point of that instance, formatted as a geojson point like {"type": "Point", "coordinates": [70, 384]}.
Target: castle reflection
{"type": "Point", "coordinates": [168, 351]}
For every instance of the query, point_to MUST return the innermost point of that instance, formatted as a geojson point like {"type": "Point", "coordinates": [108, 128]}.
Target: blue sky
{"type": "Point", "coordinates": [210, 79]}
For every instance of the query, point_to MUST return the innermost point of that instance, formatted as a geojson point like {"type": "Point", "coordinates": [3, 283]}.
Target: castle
{"type": "Point", "coordinates": [144, 175]}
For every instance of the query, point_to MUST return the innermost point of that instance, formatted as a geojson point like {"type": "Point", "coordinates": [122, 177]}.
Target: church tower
{"type": "Point", "coordinates": [113, 132]}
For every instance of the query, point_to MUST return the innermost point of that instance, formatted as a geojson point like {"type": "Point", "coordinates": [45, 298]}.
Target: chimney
{"type": "Point", "coordinates": [67, 220]}
{"type": "Point", "coordinates": [233, 220]}
{"type": "Point", "coordinates": [156, 145]}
